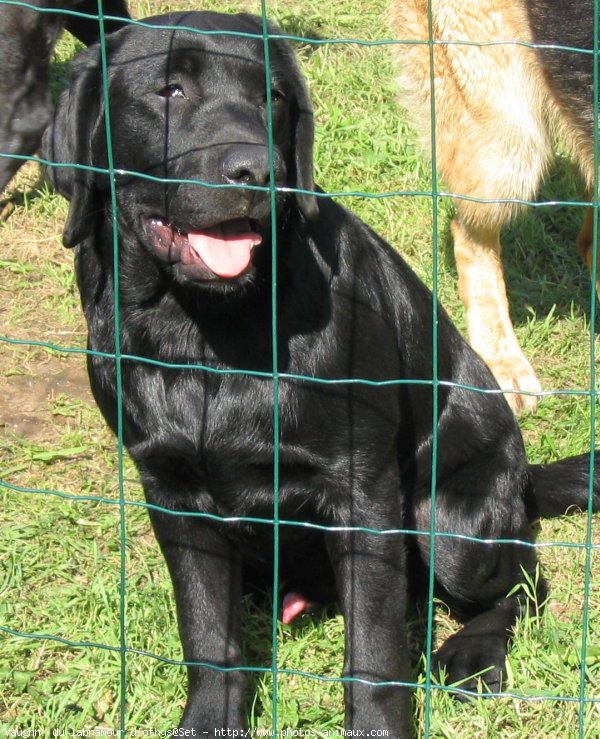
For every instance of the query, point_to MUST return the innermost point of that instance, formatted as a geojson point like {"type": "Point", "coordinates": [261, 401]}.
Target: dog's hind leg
{"type": "Point", "coordinates": [492, 153]}
{"type": "Point", "coordinates": [482, 290]}
{"type": "Point", "coordinates": [492, 144]}
{"type": "Point", "coordinates": [475, 656]}
{"type": "Point", "coordinates": [484, 578]}
{"type": "Point", "coordinates": [484, 563]}
{"type": "Point", "coordinates": [585, 243]}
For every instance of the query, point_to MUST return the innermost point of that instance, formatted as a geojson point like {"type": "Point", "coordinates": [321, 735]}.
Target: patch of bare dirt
{"type": "Point", "coordinates": [26, 399]}
{"type": "Point", "coordinates": [37, 303]}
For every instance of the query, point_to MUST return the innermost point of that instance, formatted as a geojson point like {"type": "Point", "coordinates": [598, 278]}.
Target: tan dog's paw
{"type": "Point", "coordinates": [514, 373]}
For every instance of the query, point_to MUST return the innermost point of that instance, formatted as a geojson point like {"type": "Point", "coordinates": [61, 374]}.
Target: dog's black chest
{"type": "Point", "coordinates": [208, 433]}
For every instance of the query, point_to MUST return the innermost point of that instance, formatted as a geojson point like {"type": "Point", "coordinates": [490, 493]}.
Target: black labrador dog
{"type": "Point", "coordinates": [27, 39]}
{"type": "Point", "coordinates": [198, 254]}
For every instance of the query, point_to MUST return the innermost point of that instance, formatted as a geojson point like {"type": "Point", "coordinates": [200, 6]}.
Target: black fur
{"type": "Point", "coordinates": [27, 39]}
{"type": "Point", "coordinates": [570, 74]}
{"type": "Point", "coordinates": [351, 455]}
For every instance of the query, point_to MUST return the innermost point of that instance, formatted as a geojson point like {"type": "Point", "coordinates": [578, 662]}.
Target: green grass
{"type": "Point", "coordinates": [60, 558]}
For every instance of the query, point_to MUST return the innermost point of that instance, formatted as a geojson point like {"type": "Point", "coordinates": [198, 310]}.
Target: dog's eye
{"type": "Point", "coordinates": [277, 95]}
{"type": "Point", "coordinates": [172, 90]}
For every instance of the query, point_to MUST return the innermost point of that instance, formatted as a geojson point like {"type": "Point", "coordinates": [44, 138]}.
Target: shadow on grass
{"type": "Point", "coordinates": [542, 266]}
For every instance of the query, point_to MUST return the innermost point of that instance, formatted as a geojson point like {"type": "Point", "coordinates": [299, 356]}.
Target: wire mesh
{"type": "Point", "coordinates": [124, 504]}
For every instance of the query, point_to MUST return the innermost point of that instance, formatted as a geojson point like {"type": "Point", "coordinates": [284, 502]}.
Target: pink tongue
{"type": "Point", "coordinates": [293, 604]}
{"type": "Point", "coordinates": [225, 249]}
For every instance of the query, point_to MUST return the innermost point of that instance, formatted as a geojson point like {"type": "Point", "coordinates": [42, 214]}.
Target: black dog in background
{"type": "Point", "coordinates": [27, 39]}
{"type": "Point", "coordinates": [195, 272]}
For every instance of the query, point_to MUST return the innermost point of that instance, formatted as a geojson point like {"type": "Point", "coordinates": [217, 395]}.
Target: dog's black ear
{"type": "Point", "coordinates": [303, 154]}
{"type": "Point", "coordinates": [70, 139]}
{"type": "Point", "coordinates": [303, 134]}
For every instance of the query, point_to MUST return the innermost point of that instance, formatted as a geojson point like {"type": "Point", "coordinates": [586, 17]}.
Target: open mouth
{"type": "Point", "coordinates": [223, 250]}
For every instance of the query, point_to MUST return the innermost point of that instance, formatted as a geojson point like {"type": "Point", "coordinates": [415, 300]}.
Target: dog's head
{"type": "Point", "coordinates": [183, 107]}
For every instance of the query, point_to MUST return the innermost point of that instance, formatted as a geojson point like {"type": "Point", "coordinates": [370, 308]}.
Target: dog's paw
{"type": "Point", "coordinates": [515, 374]}
{"type": "Point", "coordinates": [471, 663]}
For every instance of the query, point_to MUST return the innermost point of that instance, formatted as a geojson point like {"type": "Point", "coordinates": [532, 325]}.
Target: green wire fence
{"type": "Point", "coordinates": [125, 504]}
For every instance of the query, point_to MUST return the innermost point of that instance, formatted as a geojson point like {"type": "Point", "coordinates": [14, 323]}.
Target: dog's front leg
{"type": "Point", "coordinates": [370, 572]}
{"type": "Point", "coordinates": [206, 576]}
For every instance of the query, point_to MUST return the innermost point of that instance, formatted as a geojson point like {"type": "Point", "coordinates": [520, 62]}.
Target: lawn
{"type": "Point", "coordinates": [78, 579]}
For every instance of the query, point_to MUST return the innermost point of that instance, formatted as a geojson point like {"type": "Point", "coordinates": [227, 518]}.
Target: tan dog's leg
{"type": "Point", "coordinates": [483, 292]}
{"type": "Point", "coordinates": [492, 143]}
{"type": "Point", "coordinates": [585, 239]}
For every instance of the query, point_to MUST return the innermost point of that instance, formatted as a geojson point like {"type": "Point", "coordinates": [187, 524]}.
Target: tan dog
{"type": "Point", "coordinates": [496, 107]}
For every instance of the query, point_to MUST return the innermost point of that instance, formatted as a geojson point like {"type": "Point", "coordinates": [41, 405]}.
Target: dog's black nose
{"type": "Point", "coordinates": [249, 165]}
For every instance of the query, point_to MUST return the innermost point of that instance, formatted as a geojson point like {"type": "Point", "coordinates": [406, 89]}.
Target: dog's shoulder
{"type": "Point", "coordinates": [366, 262]}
